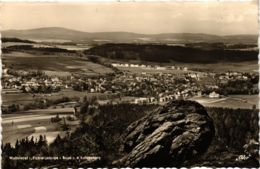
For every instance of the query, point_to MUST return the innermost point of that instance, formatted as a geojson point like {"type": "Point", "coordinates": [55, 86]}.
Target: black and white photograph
{"type": "Point", "coordinates": [129, 84]}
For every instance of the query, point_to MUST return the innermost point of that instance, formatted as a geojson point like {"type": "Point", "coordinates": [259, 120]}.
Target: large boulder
{"type": "Point", "coordinates": [172, 134]}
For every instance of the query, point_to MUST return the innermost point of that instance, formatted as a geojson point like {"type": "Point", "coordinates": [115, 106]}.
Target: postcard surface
{"type": "Point", "coordinates": [147, 84]}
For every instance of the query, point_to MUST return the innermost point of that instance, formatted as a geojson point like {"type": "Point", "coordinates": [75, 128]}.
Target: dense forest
{"type": "Point", "coordinates": [234, 128]}
{"type": "Point", "coordinates": [166, 53]}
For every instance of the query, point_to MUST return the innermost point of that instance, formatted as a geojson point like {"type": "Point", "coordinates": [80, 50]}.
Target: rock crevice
{"type": "Point", "coordinates": [167, 137]}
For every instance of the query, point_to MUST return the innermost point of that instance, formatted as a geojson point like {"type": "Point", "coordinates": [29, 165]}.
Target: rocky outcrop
{"type": "Point", "coordinates": [252, 149]}
{"type": "Point", "coordinates": [172, 134]}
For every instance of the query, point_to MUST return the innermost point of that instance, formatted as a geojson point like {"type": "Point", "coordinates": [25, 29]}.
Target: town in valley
{"type": "Point", "coordinates": [88, 93]}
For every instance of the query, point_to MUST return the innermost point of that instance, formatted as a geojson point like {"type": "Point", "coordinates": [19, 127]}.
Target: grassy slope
{"type": "Point", "coordinates": [70, 63]}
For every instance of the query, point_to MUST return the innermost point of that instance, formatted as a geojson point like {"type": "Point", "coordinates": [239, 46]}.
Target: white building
{"type": "Point", "coordinates": [213, 95]}
{"type": "Point", "coordinates": [160, 68]}
{"type": "Point", "coordinates": [141, 100]}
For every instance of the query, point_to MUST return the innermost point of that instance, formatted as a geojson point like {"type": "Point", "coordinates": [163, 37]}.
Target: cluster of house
{"type": "Point", "coordinates": [52, 84]}
{"type": "Point", "coordinates": [163, 86]}
{"type": "Point", "coordinates": [160, 99]}
{"type": "Point", "coordinates": [144, 66]}
{"type": "Point", "coordinates": [151, 86]}
{"type": "Point", "coordinates": [31, 84]}
{"type": "Point", "coordinates": [225, 77]}
{"type": "Point", "coordinates": [147, 88]}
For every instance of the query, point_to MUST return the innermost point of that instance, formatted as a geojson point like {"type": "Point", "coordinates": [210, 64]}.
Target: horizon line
{"type": "Point", "coordinates": [27, 29]}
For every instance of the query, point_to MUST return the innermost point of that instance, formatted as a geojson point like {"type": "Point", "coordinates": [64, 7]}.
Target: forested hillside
{"type": "Point", "coordinates": [165, 53]}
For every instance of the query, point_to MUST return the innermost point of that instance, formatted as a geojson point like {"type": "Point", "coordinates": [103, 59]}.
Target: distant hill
{"type": "Point", "coordinates": [165, 53]}
{"type": "Point", "coordinates": [44, 33]}
{"type": "Point", "coordinates": [16, 40]}
{"type": "Point", "coordinates": [123, 37]}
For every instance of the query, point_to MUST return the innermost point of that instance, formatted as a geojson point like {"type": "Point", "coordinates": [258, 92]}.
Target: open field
{"type": "Point", "coordinates": [232, 101]}
{"type": "Point", "coordinates": [139, 70]}
{"type": "Point", "coordinates": [7, 44]}
{"type": "Point", "coordinates": [53, 63]}
{"type": "Point", "coordinates": [25, 98]}
{"type": "Point", "coordinates": [74, 47]}
{"type": "Point", "coordinates": [37, 113]}
{"type": "Point", "coordinates": [248, 66]}
{"type": "Point", "coordinates": [33, 123]}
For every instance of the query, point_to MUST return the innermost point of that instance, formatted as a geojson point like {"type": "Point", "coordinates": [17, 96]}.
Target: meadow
{"type": "Point", "coordinates": [220, 67]}
{"type": "Point", "coordinates": [139, 70]}
{"type": "Point", "coordinates": [26, 98]}
{"type": "Point", "coordinates": [25, 124]}
{"type": "Point", "coordinates": [58, 65]}
{"type": "Point", "coordinates": [231, 101]}
{"type": "Point", "coordinates": [247, 66]}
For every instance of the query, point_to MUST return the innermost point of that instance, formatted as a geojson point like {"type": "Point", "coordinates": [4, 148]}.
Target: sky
{"type": "Point", "coordinates": [222, 18]}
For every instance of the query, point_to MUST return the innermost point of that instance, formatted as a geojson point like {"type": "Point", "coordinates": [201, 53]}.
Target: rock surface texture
{"type": "Point", "coordinates": [172, 134]}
